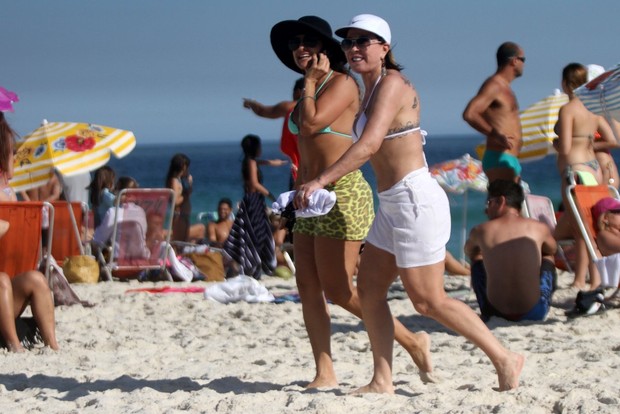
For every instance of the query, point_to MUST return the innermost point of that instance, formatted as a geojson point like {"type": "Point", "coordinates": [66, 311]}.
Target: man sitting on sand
{"type": "Point", "coordinates": [512, 272]}
{"type": "Point", "coordinates": [28, 288]}
{"type": "Point", "coordinates": [218, 231]}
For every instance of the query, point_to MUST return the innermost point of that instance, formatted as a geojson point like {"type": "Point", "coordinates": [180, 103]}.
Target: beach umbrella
{"type": "Point", "coordinates": [602, 96]}
{"type": "Point", "coordinates": [7, 98]}
{"type": "Point", "coordinates": [459, 176]}
{"type": "Point", "coordinates": [537, 122]}
{"type": "Point", "coordinates": [67, 147]}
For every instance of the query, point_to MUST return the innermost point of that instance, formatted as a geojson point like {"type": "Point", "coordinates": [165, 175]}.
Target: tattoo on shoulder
{"type": "Point", "coordinates": [407, 81]}
{"type": "Point", "coordinates": [415, 102]}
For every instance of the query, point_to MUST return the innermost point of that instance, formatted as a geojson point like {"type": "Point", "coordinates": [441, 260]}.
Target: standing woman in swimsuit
{"type": "Point", "coordinates": [327, 247]}
{"type": "Point", "coordinates": [412, 226]}
{"type": "Point", "coordinates": [576, 127]}
{"type": "Point", "coordinates": [180, 181]}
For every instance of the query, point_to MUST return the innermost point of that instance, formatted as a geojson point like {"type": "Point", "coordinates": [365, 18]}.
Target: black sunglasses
{"type": "Point", "coordinates": [521, 58]}
{"type": "Point", "coordinates": [360, 42]}
{"type": "Point", "coordinates": [307, 41]}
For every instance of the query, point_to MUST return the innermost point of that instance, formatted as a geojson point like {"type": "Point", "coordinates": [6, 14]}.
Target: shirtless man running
{"type": "Point", "coordinates": [518, 275]}
{"type": "Point", "coordinates": [494, 112]}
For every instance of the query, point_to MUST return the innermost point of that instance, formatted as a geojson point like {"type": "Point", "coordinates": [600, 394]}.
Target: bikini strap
{"type": "Point", "coordinates": [372, 92]}
{"type": "Point", "coordinates": [329, 75]}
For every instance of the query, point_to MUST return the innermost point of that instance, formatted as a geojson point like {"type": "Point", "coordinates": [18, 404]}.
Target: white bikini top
{"type": "Point", "coordinates": [360, 122]}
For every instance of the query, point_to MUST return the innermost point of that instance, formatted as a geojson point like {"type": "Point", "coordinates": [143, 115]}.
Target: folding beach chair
{"type": "Point", "coordinates": [69, 233]}
{"type": "Point", "coordinates": [21, 247]}
{"type": "Point", "coordinates": [581, 199]}
{"type": "Point", "coordinates": [141, 232]}
{"type": "Point", "coordinates": [541, 208]}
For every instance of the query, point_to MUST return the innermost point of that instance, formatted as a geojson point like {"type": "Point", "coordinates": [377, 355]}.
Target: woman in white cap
{"type": "Point", "coordinates": [412, 225]}
{"type": "Point", "coordinates": [327, 247]}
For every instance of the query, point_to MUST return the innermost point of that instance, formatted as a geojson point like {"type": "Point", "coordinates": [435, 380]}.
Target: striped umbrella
{"type": "Point", "coordinates": [69, 148]}
{"type": "Point", "coordinates": [602, 96]}
{"type": "Point", "coordinates": [537, 122]}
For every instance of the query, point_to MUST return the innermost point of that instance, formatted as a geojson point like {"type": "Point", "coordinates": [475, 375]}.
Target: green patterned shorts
{"type": "Point", "coordinates": [350, 218]}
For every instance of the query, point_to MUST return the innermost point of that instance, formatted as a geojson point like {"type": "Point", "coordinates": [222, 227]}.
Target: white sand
{"type": "Point", "coordinates": [173, 353]}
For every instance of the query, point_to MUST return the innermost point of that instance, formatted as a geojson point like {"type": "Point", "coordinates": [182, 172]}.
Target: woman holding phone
{"type": "Point", "coordinates": [327, 247]}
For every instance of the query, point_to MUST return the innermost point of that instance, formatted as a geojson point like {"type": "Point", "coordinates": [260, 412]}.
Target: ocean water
{"type": "Point", "coordinates": [216, 170]}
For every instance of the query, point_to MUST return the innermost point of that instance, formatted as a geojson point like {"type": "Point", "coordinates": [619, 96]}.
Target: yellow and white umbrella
{"type": "Point", "coordinates": [537, 122]}
{"type": "Point", "coordinates": [70, 148]}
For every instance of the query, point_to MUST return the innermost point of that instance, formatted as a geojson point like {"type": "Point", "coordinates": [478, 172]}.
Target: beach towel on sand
{"type": "Point", "coordinates": [238, 289]}
{"type": "Point", "coordinates": [250, 242]}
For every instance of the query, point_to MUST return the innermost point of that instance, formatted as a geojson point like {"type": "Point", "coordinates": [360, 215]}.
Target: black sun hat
{"type": "Point", "coordinates": [282, 32]}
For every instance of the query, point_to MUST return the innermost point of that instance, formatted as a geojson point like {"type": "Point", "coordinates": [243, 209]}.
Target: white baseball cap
{"type": "Point", "coordinates": [370, 23]}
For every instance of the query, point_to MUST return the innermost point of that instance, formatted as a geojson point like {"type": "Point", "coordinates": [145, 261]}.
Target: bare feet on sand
{"type": "Point", "coordinates": [375, 388]}
{"type": "Point", "coordinates": [323, 382]}
{"type": "Point", "coordinates": [420, 351]}
{"type": "Point", "coordinates": [508, 372]}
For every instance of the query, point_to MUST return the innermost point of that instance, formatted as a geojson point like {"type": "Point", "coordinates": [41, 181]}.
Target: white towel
{"type": "Point", "coordinates": [320, 203]}
{"type": "Point", "coordinates": [237, 289]}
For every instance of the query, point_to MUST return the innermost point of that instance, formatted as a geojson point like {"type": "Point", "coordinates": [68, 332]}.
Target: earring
{"type": "Point", "coordinates": [383, 70]}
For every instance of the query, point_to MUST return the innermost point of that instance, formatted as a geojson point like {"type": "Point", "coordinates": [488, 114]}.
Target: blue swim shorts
{"type": "Point", "coordinates": [499, 159]}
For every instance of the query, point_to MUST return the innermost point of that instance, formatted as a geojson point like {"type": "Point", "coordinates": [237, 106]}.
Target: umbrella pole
{"type": "Point", "coordinates": [464, 227]}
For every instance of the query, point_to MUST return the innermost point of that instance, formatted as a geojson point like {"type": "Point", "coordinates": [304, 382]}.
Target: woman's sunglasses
{"type": "Point", "coordinates": [361, 42]}
{"type": "Point", "coordinates": [306, 40]}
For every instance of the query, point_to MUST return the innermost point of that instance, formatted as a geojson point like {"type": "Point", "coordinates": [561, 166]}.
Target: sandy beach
{"type": "Point", "coordinates": [178, 352]}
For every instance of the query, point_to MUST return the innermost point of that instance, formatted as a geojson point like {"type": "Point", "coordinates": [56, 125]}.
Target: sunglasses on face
{"type": "Point", "coordinates": [305, 40]}
{"type": "Point", "coordinates": [360, 42]}
{"type": "Point", "coordinates": [521, 58]}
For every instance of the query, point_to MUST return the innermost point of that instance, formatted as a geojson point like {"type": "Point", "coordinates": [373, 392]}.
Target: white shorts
{"type": "Point", "coordinates": [413, 221]}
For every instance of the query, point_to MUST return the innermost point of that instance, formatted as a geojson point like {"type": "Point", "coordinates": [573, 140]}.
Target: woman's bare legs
{"type": "Point", "coordinates": [333, 263]}
{"type": "Point", "coordinates": [315, 311]}
{"type": "Point", "coordinates": [7, 315]}
{"type": "Point", "coordinates": [31, 288]}
{"type": "Point", "coordinates": [424, 286]}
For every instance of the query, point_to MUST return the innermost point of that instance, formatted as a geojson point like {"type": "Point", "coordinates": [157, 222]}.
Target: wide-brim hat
{"type": "Point", "coordinates": [282, 32]}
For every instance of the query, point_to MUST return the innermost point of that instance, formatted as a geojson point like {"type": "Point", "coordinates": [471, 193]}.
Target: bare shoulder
{"type": "Point", "coordinates": [396, 79]}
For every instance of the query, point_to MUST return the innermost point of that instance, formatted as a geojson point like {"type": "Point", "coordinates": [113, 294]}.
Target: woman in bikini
{"type": "Point", "coordinates": [410, 231]}
{"type": "Point", "coordinates": [326, 248]}
{"type": "Point", "coordinates": [576, 127]}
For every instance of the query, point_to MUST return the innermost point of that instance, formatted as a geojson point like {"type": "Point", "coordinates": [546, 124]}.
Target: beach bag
{"type": "Point", "coordinates": [81, 269]}
{"type": "Point", "coordinates": [211, 264]}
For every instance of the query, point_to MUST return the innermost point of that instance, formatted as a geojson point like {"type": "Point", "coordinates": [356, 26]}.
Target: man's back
{"type": "Point", "coordinates": [512, 249]}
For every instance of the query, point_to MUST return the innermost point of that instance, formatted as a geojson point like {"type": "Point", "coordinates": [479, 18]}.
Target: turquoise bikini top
{"type": "Point", "coordinates": [327, 130]}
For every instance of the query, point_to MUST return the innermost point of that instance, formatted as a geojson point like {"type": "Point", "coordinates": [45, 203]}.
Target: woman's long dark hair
{"type": "Point", "coordinates": [7, 141]}
{"type": "Point", "coordinates": [104, 178]}
{"type": "Point", "coordinates": [177, 164]}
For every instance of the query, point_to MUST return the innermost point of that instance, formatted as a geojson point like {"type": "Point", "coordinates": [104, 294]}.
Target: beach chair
{"type": "Point", "coordinates": [21, 246]}
{"type": "Point", "coordinates": [581, 199]}
{"type": "Point", "coordinates": [541, 208]}
{"type": "Point", "coordinates": [69, 233]}
{"type": "Point", "coordinates": [141, 233]}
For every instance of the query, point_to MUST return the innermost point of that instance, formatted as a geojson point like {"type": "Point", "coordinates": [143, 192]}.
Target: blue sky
{"type": "Point", "coordinates": [176, 71]}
